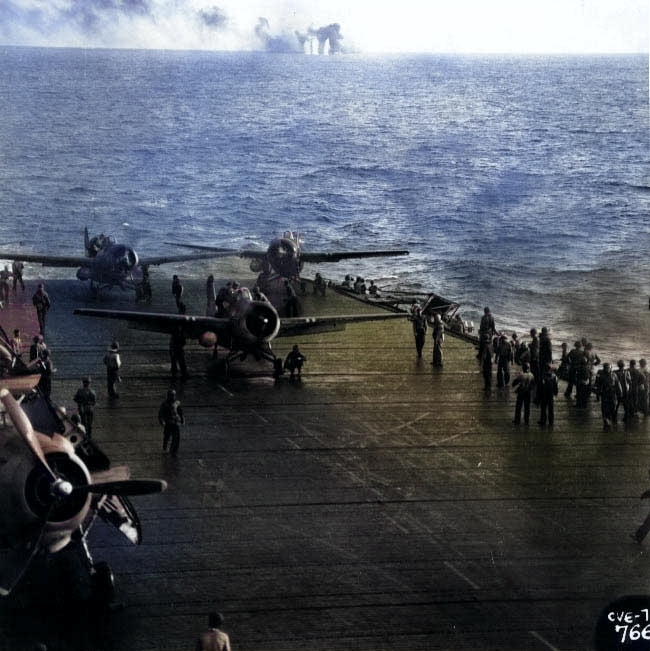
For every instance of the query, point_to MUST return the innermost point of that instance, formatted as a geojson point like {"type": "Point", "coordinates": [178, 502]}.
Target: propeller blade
{"type": "Point", "coordinates": [117, 473]}
{"type": "Point", "coordinates": [24, 428]}
{"type": "Point", "coordinates": [124, 487]}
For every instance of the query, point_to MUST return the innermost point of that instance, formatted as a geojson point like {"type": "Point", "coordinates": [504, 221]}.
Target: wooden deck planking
{"type": "Point", "coordinates": [381, 504]}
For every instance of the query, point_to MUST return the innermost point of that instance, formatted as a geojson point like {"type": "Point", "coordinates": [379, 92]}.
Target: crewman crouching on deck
{"type": "Point", "coordinates": [294, 361]}
{"type": "Point", "coordinates": [319, 285]}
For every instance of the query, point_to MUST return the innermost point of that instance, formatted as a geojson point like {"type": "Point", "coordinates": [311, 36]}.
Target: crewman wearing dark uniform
{"type": "Point", "coordinates": [575, 359]}
{"type": "Point", "coordinates": [85, 399]}
{"type": "Point", "coordinates": [320, 285]}
{"type": "Point", "coordinates": [438, 332]}
{"type": "Point", "coordinates": [547, 392]}
{"type": "Point", "coordinates": [419, 329]}
{"type": "Point", "coordinates": [177, 289]}
{"type": "Point", "coordinates": [291, 307]}
{"type": "Point", "coordinates": [17, 268]}
{"type": "Point", "coordinates": [177, 343]}
{"type": "Point", "coordinates": [608, 390]}
{"type": "Point", "coordinates": [533, 349]}
{"type": "Point", "coordinates": [486, 331]}
{"type": "Point", "coordinates": [41, 302]}
{"type": "Point", "coordinates": [504, 357]}
{"type": "Point", "coordinates": [545, 349]}
{"type": "Point", "coordinates": [171, 417]}
{"type": "Point", "coordinates": [45, 383]}
{"type": "Point", "coordinates": [623, 376]}
{"type": "Point", "coordinates": [294, 361]}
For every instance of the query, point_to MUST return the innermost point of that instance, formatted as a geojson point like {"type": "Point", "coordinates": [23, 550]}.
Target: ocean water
{"type": "Point", "coordinates": [521, 183]}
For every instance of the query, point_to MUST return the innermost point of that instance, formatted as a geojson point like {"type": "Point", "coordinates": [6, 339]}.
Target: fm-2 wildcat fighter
{"type": "Point", "coordinates": [106, 263]}
{"type": "Point", "coordinates": [54, 481]}
{"type": "Point", "coordinates": [246, 325]}
{"type": "Point", "coordinates": [49, 493]}
{"type": "Point", "coordinates": [285, 257]}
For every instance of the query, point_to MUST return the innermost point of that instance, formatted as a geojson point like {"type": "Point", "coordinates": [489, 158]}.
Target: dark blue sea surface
{"type": "Point", "coordinates": [521, 183]}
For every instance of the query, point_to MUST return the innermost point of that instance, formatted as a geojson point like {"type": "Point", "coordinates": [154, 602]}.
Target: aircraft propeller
{"type": "Point", "coordinates": [61, 488]}
{"type": "Point", "coordinates": [56, 498]}
{"type": "Point", "coordinates": [125, 487]}
{"type": "Point", "coordinates": [25, 429]}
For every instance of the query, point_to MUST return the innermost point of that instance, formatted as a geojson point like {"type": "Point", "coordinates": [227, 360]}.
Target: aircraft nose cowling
{"type": "Point", "coordinates": [261, 321]}
{"type": "Point", "coordinates": [126, 257]}
{"type": "Point", "coordinates": [283, 257]}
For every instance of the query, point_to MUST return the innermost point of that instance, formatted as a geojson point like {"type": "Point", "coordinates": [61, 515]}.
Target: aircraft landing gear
{"type": "Point", "coordinates": [143, 292]}
{"type": "Point", "coordinates": [103, 583]}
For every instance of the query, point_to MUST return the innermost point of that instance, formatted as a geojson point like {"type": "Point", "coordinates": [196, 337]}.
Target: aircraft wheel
{"type": "Point", "coordinates": [103, 582]}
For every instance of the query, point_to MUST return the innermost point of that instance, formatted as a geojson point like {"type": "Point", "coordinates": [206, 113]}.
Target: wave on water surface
{"type": "Point", "coordinates": [520, 183]}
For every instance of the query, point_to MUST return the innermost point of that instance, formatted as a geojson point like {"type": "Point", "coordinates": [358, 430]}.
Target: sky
{"type": "Point", "coordinates": [366, 26]}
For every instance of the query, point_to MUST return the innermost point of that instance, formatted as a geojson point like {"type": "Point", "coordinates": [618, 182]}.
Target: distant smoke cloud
{"type": "Point", "coordinates": [173, 24]}
{"type": "Point", "coordinates": [90, 14]}
{"type": "Point", "coordinates": [330, 33]}
{"type": "Point", "coordinates": [271, 43]}
{"type": "Point", "coordinates": [214, 18]}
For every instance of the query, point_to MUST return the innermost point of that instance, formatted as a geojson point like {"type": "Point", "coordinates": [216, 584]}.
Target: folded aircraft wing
{"type": "Point", "coordinates": [305, 325]}
{"type": "Point", "coordinates": [48, 260]}
{"type": "Point", "coordinates": [306, 256]}
{"type": "Point", "coordinates": [193, 326]}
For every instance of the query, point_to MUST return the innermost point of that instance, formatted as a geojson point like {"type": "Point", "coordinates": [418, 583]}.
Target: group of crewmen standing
{"type": "Point", "coordinates": [623, 392]}
{"type": "Point", "coordinates": [621, 389]}
{"type": "Point", "coordinates": [420, 323]}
